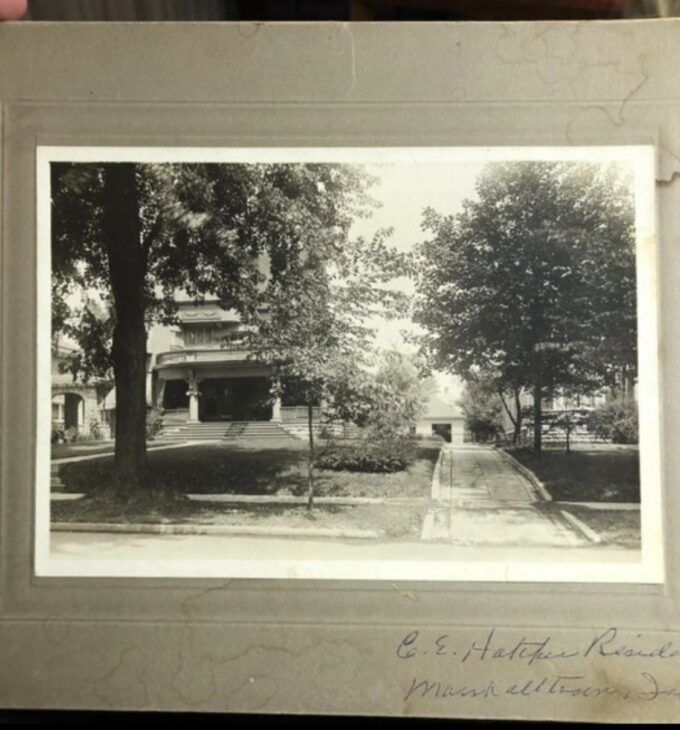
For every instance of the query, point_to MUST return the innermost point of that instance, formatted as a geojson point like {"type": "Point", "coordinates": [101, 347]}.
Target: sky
{"type": "Point", "coordinates": [404, 190]}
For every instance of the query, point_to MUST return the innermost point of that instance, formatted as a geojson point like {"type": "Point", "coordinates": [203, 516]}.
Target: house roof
{"type": "Point", "coordinates": [438, 408]}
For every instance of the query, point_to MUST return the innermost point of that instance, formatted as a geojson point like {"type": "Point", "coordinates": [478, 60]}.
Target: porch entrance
{"type": "Point", "coordinates": [235, 399]}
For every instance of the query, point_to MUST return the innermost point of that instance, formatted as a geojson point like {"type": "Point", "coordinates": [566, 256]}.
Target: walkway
{"type": "Point", "coordinates": [479, 499]}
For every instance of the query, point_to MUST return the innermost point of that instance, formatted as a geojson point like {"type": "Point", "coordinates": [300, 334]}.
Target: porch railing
{"type": "Point", "coordinates": [298, 414]}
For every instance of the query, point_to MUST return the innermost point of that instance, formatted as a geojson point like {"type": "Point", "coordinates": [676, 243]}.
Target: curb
{"type": "Point", "coordinates": [589, 533]}
{"type": "Point", "coordinates": [435, 493]}
{"type": "Point", "coordinates": [257, 499]}
{"type": "Point", "coordinates": [603, 506]}
{"type": "Point", "coordinates": [242, 530]}
{"type": "Point", "coordinates": [528, 474]}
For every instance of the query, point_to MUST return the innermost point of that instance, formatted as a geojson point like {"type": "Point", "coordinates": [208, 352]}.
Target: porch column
{"type": "Point", "coordinates": [160, 394]}
{"type": "Point", "coordinates": [193, 397]}
{"type": "Point", "coordinates": [276, 409]}
{"type": "Point", "coordinates": [276, 405]}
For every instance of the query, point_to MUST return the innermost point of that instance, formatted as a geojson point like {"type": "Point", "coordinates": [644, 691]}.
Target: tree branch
{"type": "Point", "coordinates": [505, 406]}
{"type": "Point", "coordinates": [153, 232]}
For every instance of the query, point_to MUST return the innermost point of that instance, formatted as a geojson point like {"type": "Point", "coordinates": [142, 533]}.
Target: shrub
{"type": "Point", "coordinates": [616, 421]}
{"type": "Point", "coordinates": [95, 430]}
{"type": "Point", "coordinates": [369, 456]}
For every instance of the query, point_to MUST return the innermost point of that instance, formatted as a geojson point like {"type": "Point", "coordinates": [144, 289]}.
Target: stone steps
{"type": "Point", "coordinates": [224, 431]}
{"type": "Point", "coordinates": [257, 429]}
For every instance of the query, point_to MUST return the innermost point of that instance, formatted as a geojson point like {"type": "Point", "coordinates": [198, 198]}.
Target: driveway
{"type": "Point", "coordinates": [479, 499]}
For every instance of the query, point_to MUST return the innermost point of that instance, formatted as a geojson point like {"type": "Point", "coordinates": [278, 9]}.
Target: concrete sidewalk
{"type": "Point", "coordinates": [73, 553]}
{"type": "Point", "coordinates": [479, 499]}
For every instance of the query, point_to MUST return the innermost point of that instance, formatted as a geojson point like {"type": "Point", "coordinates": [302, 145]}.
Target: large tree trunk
{"type": "Point", "coordinates": [518, 418]}
{"type": "Point", "coordinates": [127, 270]}
{"type": "Point", "coordinates": [310, 465]}
{"type": "Point", "coordinates": [538, 418]}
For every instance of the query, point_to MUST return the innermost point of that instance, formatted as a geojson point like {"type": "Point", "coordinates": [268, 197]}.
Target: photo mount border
{"type": "Point", "coordinates": [163, 643]}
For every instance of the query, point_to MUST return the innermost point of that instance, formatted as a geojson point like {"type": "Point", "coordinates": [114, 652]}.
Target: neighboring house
{"type": "Point", "coordinates": [443, 419]}
{"type": "Point", "coordinates": [78, 407]}
{"type": "Point", "coordinates": [557, 405]}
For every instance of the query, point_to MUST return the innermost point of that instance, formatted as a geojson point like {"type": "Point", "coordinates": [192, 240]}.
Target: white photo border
{"type": "Point", "coordinates": [650, 569]}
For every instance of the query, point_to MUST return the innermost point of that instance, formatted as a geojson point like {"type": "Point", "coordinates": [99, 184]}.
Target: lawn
{"type": "Point", "coordinates": [403, 521]}
{"type": "Point", "coordinates": [265, 469]}
{"type": "Point", "coordinates": [85, 448]}
{"type": "Point", "coordinates": [62, 451]}
{"type": "Point", "coordinates": [598, 475]}
{"type": "Point", "coordinates": [615, 527]}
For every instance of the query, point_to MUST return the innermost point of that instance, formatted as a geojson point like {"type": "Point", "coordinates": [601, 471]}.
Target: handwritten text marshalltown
{"type": "Point", "coordinates": [444, 650]}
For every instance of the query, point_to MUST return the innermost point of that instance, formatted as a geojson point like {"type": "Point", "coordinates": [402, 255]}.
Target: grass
{"type": "Point", "coordinates": [391, 521]}
{"type": "Point", "coordinates": [615, 527]}
{"type": "Point", "coordinates": [89, 448]}
{"type": "Point", "coordinates": [63, 451]}
{"type": "Point", "coordinates": [598, 475]}
{"type": "Point", "coordinates": [267, 469]}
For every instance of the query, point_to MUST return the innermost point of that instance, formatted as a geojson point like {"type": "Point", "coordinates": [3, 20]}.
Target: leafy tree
{"type": "Point", "coordinates": [534, 281]}
{"type": "Point", "coordinates": [315, 326]}
{"type": "Point", "coordinates": [568, 421]}
{"type": "Point", "coordinates": [615, 421]}
{"type": "Point", "coordinates": [138, 234]}
{"type": "Point", "coordinates": [482, 406]}
{"type": "Point", "coordinates": [400, 396]}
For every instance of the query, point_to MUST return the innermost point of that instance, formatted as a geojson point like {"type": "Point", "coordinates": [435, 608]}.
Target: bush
{"type": "Point", "coordinates": [373, 457]}
{"type": "Point", "coordinates": [616, 421]}
{"type": "Point", "coordinates": [95, 430]}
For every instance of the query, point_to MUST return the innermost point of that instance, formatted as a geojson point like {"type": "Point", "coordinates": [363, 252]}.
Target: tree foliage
{"type": "Point", "coordinates": [316, 325]}
{"type": "Point", "coordinates": [534, 280]}
{"type": "Point", "coordinates": [391, 400]}
{"type": "Point", "coordinates": [128, 237]}
{"type": "Point", "coordinates": [400, 396]}
{"type": "Point", "coordinates": [483, 409]}
{"type": "Point", "coordinates": [615, 421]}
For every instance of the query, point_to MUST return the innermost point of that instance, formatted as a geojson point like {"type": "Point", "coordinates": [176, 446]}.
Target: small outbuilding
{"type": "Point", "coordinates": [443, 419]}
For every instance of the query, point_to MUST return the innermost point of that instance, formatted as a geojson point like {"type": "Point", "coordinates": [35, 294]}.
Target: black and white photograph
{"type": "Point", "coordinates": [348, 363]}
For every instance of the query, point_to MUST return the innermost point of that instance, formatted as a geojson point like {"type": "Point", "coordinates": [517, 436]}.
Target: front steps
{"type": "Point", "coordinates": [257, 430]}
{"type": "Point", "coordinates": [225, 431]}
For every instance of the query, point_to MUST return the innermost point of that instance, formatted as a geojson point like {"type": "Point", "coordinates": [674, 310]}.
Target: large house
{"type": "Point", "coordinates": [200, 369]}
{"type": "Point", "coordinates": [201, 377]}
{"type": "Point", "coordinates": [203, 384]}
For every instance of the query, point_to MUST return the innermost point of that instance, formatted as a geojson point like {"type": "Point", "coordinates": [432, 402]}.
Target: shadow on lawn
{"type": "Point", "coordinates": [585, 475]}
{"type": "Point", "coordinates": [269, 469]}
{"type": "Point", "coordinates": [206, 469]}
